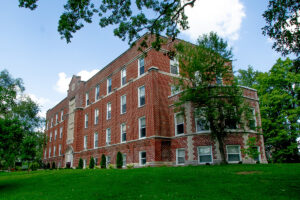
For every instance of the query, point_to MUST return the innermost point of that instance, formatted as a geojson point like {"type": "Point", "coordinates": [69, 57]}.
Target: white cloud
{"type": "Point", "coordinates": [63, 82]}
{"type": "Point", "coordinates": [44, 104]}
{"type": "Point", "coordinates": [221, 16]}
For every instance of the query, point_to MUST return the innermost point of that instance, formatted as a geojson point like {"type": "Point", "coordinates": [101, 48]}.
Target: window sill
{"type": "Point", "coordinates": [141, 106]}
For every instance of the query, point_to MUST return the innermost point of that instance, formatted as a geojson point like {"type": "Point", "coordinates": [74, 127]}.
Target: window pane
{"type": "Point", "coordinates": [233, 149]}
{"type": "Point", "coordinates": [141, 66]}
{"type": "Point", "coordinates": [204, 150]}
{"type": "Point", "coordinates": [179, 119]}
{"type": "Point", "coordinates": [180, 129]}
{"type": "Point", "coordinates": [205, 159]}
{"type": "Point", "coordinates": [233, 157]}
{"type": "Point", "coordinates": [202, 124]}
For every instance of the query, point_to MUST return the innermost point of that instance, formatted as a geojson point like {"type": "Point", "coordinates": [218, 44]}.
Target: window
{"type": "Point", "coordinates": [56, 118]}
{"type": "Point", "coordinates": [60, 132]}
{"type": "Point", "coordinates": [180, 156]}
{"type": "Point", "coordinates": [141, 66]}
{"type": "Point", "coordinates": [55, 134]}
{"type": "Point", "coordinates": [54, 151]}
{"type": "Point", "coordinates": [123, 76]}
{"type": "Point", "coordinates": [123, 132]}
{"type": "Point", "coordinates": [233, 153]}
{"type": "Point", "coordinates": [61, 115]}
{"type": "Point", "coordinates": [257, 159]}
{"type": "Point", "coordinates": [95, 140]}
{"type": "Point", "coordinates": [109, 89]}
{"type": "Point", "coordinates": [205, 154]}
{"type": "Point", "coordinates": [143, 159]}
{"type": "Point", "coordinates": [96, 161]}
{"type": "Point", "coordinates": [174, 90]}
{"type": "Point", "coordinates": [47, 125]}
{"type": "Point", "coordinates": [107, 160]}
{"type": "Point", "coordinates": [252, 122]}
{"type": "Point", "coordinates": [230, 120]}
{"type": "Point", "coordinates": [51, 122]}
{"type": "Point", "coordinates": [141, 94]}
{"type": "Point", "coordinates": [85, 142]}
{"type": "Point", "coordinates": [219, 79]}
{"type": "Point", "coordinates": [108, 136]}
{"type": "Point", "coordinates": [123, 104]}
{"type": "Point", "coordinates": [179, 124]}
{"type": "Point", "coordinates": [84, 163]}
{"type": "Point", "coordinates": [124, 160]}
{"type": "Point", "coordinates": [174, 66]}
{"type": "Point", "coordinates": [108, 111]}
{"type": "Point", "coordinates": [96, 120]}
{"type": "Point", "coordinates": [202, 124]}
{"type": "Point", "coordinates": [50, 152]}
{"type": "Point", "coordinates": [50, 136]}
{"type": "Point", "coordinates": [45, 154]}
{"type": "Point", "coordinates": [87, 100]}
{"type": "Point", "coordinates": [59, 150]}
{"type": "Point", "coordinates": [142, 127]}
{"type": "Point", "coordinates": [97, 92]}
{"type": "Point", "coordinates": [86, 120]}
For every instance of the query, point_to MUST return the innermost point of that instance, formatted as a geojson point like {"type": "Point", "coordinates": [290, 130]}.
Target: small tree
{"type": "Point", "coordinates": [251, 151]}
{"type": "Point", "coordinates": [92, 163]}
{"type": "Point", "coordinates": [119, 160]}
{"type": "Point", "coordinates": [48, 166]}
{"type": "Point", "coordinates": [80, 164]}
{"type": "Point", "coordinates": [53, 165]}
{"type": "Point", "coordinates": [103, 162]}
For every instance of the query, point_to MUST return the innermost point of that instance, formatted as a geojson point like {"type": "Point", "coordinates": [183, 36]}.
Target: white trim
{"type": "Point", "coordinates": [106, 138]}
{"type": "Point", "coordinates": [86, 120]}
{"type": "Point", "coordinates": [180, 149]}
{"type": "Point", "coordinates": [96, 114]}
{"type": "Point", "coordinates": [121, 106]}
{"type": "Point", "coordinates": [97, 87]}
{"type": "Point", "coordinates": [108, 105]}
{"type": "Point", "coordinates": [140, 158]}
{"type": "Point", "coordinates": [239, 153]}
{"type": "Point", "coordinates": [96, 144]}
{"type": "Point", "coordinates": [121, 141]}
{"type": "Point", "coordinates": [107, 85]}
{"type": "Point", "coordinates": [139, 98]}
{"type": "Point", "coordinates": [139, 74]}
{"type": "Point", "coordinates": [87, 99]}
{"type": "Point", "coordinates": [175, 123]}
{"type": "Point", "coordinates": [141, 127]}
{"type": "Point", "coordinates": [85, 142]}
{"type": "Point", "coordinates": [211, 154]}
{"type": "Point", "coordinates": [123, 69]}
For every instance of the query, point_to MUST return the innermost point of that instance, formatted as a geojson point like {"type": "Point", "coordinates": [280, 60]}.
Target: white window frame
{"type": "Point", "coordinates": [97, 92]}
{"type": "Point", "coordinates": [140, 128]}
{"type": "Point", "coordinates": [139, 67]}
{"type": "Point", "coordinates": [175, 123]}
{"type": "Point", "coordinates": [60, 132]}
{"type": "Point", "coordinates": [86, 120]}
{"type": "Point", "coordinates": [50, 137]}
{"type": "Point", "coordinates": [49, 152]}
{"type": "Point", "coordinates": [109, 85]}
{"type": "Point", "coordinates": [174, 62]}
{"type": "Point", "coordinates": [122, 112]}
{"type": "Point", "coordinates": [140, 158]}
{"type": "Point", "coordinates": [59, 149]}
{"type": "Point", "coordinates": [55, 134]}
{"type": "Point", "coordinates": [239, 153]}
{"type": "Point", "coordinates": [54, 151]}
{"type": "Point", "coordinates": [124, 157]}
{"type": "Point", "coordinates": [85, 142]}
{"type": "Point", "coordinates": [121, 127]}
{"type": "Point", "coordinates": [108, 136]}
{"type": "Point", "coordinates": [96, 116]}
{"type": "Point", "coordinates": [96, 138]}
{"type": "Point", "coordinates": [61, 115]}
{"type": "Point", "coordinates": [123, 75]}
{"type": "Point", "coordinates": [177, 156]}
{"type": "Point", "coordinates": [211, 154]}
{"type": "Point", "coordinates": [108, 110]}
{"type": "Point", "coordinates": [139, 95]}
{"type": "Point", "coordinates": [87, 99]}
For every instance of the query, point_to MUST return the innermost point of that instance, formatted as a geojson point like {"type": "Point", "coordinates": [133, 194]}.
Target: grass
{"type": "Point", "coordinates": [280, 181]}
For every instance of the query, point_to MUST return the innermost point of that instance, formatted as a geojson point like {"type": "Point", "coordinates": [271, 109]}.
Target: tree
{"type": "Point", "coordinates": [80, 164]}
{"type": "Point", "coordinates": [119, 160]}
{"type": "Point", "coordinates": [279, 95]}
{"type": "Point", "coordinates": [53, 165]}
{"type": "Point", "coordinates": [92, 163]}
{"type": "Point", "coordinates": [248, 77]}
{"type": "Point", "coordinates": [131, 17]}
{"type": "Point", "coordinates": [206, 80]}
{"type": "Point", "coordinates": [103, 162]}
{"type": "Point", "coordinates": [251, 151]}
{"type": "Point", "coordinates": [282, 18]}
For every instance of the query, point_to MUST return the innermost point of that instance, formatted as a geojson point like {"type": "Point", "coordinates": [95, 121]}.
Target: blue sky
{"type": "Point", "coordinates": [31, 48]}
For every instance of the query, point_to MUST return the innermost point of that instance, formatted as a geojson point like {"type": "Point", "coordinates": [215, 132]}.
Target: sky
{"type": "Point", "coordinates": [31, 48]}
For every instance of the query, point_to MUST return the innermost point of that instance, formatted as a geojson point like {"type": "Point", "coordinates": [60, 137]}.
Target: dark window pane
{"type": "Point", "coordinates": [142, 100]}
{"type": "Point", "coordinates": [142, 70]}
{"type": "Point", "coordinates": [143, 132]}
{"type": "Point", "coordinates": [233, 157]}
{"type": "Point", "coordinates": [181, 160]}
{"type": "Point", "coordinates": [180, 129]}
{"type": "Point", "coordinates": [205, 159]}
{"type": "Point", "coordinates": [123, 137]}
{"type": "Point", "coordinates": [123, 108]}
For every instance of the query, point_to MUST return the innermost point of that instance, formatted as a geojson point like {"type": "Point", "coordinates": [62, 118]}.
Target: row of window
{"type": "Point", "coordinates": [108, 161]}
{"type": "Point", "coordinates": [142, 134]}
{"type": "Point", "coordinates": [54, 152]}
{"type": "Point", "coordinates": [55, 134]}
{"type": "Point", "coordinates": [205, 154]}
{"type": "Point", "coordinates": [57, 120]}
{"type": "Point", "coordinates": [141, 102]}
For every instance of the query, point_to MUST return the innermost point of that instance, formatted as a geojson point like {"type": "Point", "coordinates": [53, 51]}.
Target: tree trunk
{"type": "Point", "coordinates": [221, 149]}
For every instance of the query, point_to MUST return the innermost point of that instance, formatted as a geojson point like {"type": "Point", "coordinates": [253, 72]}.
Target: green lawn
{"type": "Point", "coordinates": [281, 181]}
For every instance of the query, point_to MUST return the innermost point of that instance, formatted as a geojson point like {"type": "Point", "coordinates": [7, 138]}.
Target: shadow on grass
{"type": "Point", "coordinates": [5, 187]}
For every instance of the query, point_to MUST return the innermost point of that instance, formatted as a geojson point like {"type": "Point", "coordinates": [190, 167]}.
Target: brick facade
{"type": "Point", "coordinates": [160, 143]}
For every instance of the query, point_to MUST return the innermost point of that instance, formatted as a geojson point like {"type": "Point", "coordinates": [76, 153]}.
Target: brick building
{"type": "Point", "coordinates": [128, 107]}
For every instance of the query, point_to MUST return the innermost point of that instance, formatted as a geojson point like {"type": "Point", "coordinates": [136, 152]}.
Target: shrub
{"type": "Point", "coordinates": [53, 165]}
{"type": "Point", "coordinates": [68, 165]}
{"type": "Point", "coordinates": [111, 166]}
{"type": "Point", "coordinates": [48, 166]}
{"type": "Point", "coordinates": [119, 160]}
{"type": "Point", "coordinates": [103, 162]}
{"type": "Point", "coordinates": [34, 166]}
{"type": "Point", "coordinates": [130, 166]}
{"type": "Point", "coordinates": [80, 164]}
{"type": "Point", "coordinates": [92, 163]}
